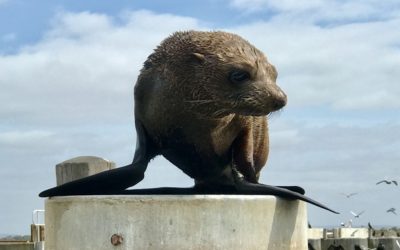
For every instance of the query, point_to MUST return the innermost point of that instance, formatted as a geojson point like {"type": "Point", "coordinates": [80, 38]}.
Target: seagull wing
{"type": "Point", "coordinates": [354, 214]}
{"type": "Point", "coordinates": [395, 183]}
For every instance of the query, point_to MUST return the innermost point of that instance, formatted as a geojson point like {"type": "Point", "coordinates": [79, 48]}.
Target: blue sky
{"type": "Point", "coordinates": [28, 26]}
{"type": "Point", "coordinates": [67, 71]}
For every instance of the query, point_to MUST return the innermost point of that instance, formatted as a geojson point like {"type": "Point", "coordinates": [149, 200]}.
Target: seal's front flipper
{"type": "Point", "coordinates": [244, 187]}
{"type": "Point", "coordinates": [111, 181]}
{"type": "Point", "coordinates": [161, 191]}
{"type": "Point", "coordinates": [102, 183]}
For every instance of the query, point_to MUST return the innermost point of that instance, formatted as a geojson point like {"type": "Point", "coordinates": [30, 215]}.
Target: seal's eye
{"type": "Point", "coordinates": [238, 76]}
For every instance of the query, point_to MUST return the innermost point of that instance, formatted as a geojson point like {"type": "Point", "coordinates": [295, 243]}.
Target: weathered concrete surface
{"type": "Point", "coordinates": [175, 222]}
{"type": "Point", "coordinates": [80, 167]}
{"type": "Point", "coordinates": [315, 233]}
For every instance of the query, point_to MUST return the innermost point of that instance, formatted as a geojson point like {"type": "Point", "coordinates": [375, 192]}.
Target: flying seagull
{"type": "Point", "coordinates": [357, 215]}
{"type": "Point", "coordinates": [387, 182]}
{"type": "Point", "coordinates": [391, 210]}
{"type": "Point", "coordinates": [348, 195]}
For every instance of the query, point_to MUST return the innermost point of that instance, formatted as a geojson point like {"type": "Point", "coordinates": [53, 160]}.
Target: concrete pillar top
{"type": "Point", "coordinates": [80, 167]}
{"type": "Point", "coordinates": [186, 222]}
{"type": "Point", "coordinates": [86, 159]}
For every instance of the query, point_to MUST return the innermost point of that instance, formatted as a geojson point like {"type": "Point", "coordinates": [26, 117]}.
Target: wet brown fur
{"type": "Point", "coordinates": [195, 117]}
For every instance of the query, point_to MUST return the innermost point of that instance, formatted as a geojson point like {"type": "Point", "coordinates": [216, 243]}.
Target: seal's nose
{"type": "Point", "coordinates": [280, 100]}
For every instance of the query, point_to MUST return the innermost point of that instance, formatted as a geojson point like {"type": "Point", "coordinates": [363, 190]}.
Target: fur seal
{"type": "Point", "coordinates": [202, 101]}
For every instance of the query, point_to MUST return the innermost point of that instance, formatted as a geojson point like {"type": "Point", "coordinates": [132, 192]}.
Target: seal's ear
{"type": "Point", "coordinates": [197, 57]}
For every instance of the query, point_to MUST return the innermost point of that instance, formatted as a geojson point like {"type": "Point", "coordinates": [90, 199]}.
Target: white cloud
{"type": "Point", "coordinates": [83, 64]}
{"type": "Point", "coordinates": [325, 12]}
{"type": "Point", "coordinates": [344, 67]}
{"type": "Point", "coordinates": [258, 5]}
{"type": "Point", "coordinates": [16, 138]}
{"type": "Point", "coordinates": [79, 25]}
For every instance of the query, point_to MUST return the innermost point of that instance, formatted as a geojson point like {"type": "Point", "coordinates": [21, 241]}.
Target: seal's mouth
{"type": "Point", "coordinates": [257, 102]}
{"type": "Point", "coordinates": [255, 113]}
{"type": "Point", "coordinates": [262, 109]}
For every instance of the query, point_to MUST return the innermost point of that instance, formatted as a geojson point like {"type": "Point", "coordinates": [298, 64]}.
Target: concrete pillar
{"type": "Point", "coordinates": [336, 233]}
{"type": "Point", "coordinates": [175, 222]}
{"type": "Point", "coordinates": [327, 233]}
{"type": "Point", "coordinates": [80, 167]}
{"type": "Point", "coordinates": [37, 233]}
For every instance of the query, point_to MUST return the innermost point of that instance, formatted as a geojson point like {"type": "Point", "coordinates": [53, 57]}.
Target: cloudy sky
{"type": "Point", "coordinates": [67, 71]}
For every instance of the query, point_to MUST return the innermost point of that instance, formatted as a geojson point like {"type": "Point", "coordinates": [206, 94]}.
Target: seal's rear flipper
{"type": "Point", "coordinates": [102, 183]}
{"type": "Point", "coordinates": [296, 189]}
{"type": "Point", "coordinates": [244, 187]}
{"type": "Point", "coordinates": [241, 187]}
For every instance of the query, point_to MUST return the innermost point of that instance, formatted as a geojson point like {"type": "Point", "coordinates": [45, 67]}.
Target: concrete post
{"type": "Point", "coordinates": [80, 167]}
{"type": "Point", "coordinates": [336, 233]}
{"type": "Point", "coordinates": [37, 233]}
{"type": "Point", "coordinates": [186, 222]}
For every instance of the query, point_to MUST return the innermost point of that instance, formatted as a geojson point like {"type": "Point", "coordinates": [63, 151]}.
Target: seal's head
{"type": "Point", "coordinates": [223, 74]}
